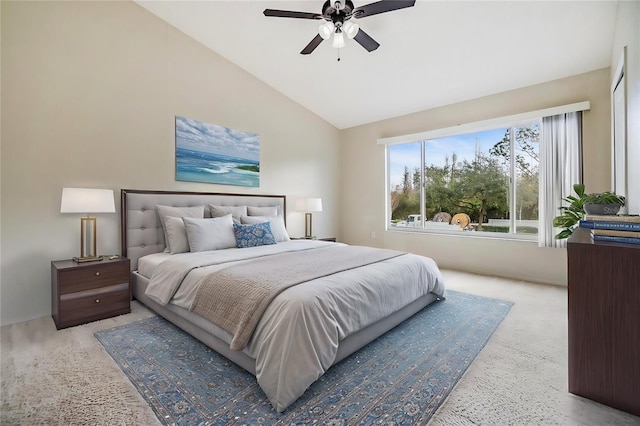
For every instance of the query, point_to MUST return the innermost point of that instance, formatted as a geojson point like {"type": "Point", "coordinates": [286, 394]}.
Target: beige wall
{"type": "Point", "coordinates": [628, 34]}
{"type": "Point", "coordinates": [89, 95]}
{"type": "Point", "coordinates": [363, 202]}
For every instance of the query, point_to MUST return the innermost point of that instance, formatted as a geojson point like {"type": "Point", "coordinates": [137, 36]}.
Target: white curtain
{"type": "Point", "coordinates": [560, 169]}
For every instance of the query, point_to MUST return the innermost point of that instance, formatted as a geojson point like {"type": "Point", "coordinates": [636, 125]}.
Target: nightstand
{"type": "Point", "coordinates": [85, 292]}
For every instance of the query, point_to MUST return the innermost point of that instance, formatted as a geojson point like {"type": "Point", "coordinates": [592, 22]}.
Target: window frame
{"type": "Point", "coordinates": [506, 121]}
{"type": "Point", "coordinates": [512, 179]}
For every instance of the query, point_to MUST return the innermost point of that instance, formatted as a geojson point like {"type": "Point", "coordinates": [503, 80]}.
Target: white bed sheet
{"type": "Point", "coordinates": [149, 263]}
{"type": "Point", "coordinates": [297, 338]}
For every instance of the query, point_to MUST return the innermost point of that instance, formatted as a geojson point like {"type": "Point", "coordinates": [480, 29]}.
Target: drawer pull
{"type": "Point", "coordinates": [97, 273]}
{"type": "Point", "coordinates": [97, 300]}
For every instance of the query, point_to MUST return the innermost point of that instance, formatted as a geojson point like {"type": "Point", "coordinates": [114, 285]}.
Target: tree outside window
{"type": "Point", "coordinates": [491, 177]}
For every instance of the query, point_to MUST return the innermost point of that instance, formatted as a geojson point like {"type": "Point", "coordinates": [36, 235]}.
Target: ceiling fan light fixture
{"type": "Point", "coordinates": [325, 30]}
{"type": "Point", "coordinates": [337, 16]}
{"type": "Point", "coordinates": [350, 29]}
{"type": "Point", "coordinates": [338, 40]}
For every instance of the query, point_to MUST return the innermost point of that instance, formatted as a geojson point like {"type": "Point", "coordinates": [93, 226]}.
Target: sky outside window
{"type": "Point", "coordinates": [464, 146]}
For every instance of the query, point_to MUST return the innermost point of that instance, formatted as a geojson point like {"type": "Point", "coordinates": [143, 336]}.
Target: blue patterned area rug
{"type": "Point", "coordinates": [401, 378]}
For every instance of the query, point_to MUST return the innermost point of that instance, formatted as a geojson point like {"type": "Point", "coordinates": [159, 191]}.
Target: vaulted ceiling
{"type": "Point", "coordinates": [432, 54]}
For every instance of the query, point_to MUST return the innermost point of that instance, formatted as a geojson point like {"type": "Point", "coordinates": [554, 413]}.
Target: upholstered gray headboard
{"type": "Point", "coordinates": [140, 224]}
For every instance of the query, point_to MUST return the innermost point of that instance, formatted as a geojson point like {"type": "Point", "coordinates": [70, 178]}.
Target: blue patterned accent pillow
{"type": "Point", "coordinates": [256, 234]}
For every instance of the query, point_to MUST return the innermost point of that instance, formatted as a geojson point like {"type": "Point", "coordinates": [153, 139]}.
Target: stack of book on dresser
{"type": "Point", "coordinates": [613, 228]}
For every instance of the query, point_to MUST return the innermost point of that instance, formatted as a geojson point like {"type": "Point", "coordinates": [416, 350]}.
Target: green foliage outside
{"type": "Point", "coordinates": [478, 187]}
{"type": "Point", "coordinates": [249, 168]}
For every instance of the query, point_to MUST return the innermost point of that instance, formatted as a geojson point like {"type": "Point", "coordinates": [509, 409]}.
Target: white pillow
{"type": "Point", "coordinates": [262, 211]}
{"type": "Point", "coordinates": [210, 234]}
{"type": "Point", "coordinates": [276, 222]}
{"type": "Point", "coordinates": [235, 211]}
{"type": "Point", "coordinates": [177, 241]}
{"type": "Point", "coordinates": [165, 211]}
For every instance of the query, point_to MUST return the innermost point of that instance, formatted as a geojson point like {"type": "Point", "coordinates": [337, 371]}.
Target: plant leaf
{"type": "Point", "coordinates": [565, 233]}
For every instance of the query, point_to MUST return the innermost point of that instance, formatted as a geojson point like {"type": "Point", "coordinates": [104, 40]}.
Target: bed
{"type": "Point", "coordinates": [348, 297]}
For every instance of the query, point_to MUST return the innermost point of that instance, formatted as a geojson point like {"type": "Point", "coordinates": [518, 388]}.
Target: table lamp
{"type": "Point", "coordinates": [87, 200]}
{"type": "Point", "coordinates": [308, 205]}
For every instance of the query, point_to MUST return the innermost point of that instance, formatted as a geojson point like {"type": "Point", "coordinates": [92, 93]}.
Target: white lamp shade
{"type": "Point", "coordinates": [338, 40]}
{"type": "Point", "coordinates": [350, 29]}
{"type": "Point", "coordinates": [87, 200]}
{"type": "Point", "coordinates": [325, 30]}
{"type": "Point", "coordinates": [309, 204]}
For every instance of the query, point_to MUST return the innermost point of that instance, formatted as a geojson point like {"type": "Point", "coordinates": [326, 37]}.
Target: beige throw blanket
{"type": "Point", "coordinates": [235, 298]}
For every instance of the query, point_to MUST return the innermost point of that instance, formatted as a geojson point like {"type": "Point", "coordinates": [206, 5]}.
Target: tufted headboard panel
{"type": "Point", "coordinates": [140, 224]}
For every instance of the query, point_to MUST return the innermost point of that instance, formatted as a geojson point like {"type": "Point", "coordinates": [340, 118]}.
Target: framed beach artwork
{"type": "Point", "coordinates": [211, 153]}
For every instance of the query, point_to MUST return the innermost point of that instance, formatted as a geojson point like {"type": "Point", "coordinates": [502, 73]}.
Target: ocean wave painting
{"type": "Point", "coordinates": [216, 154]}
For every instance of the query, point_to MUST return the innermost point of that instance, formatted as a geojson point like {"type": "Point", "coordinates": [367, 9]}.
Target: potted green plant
{"type": "Point", "coordinates": [603, 203]}
{"type": "Point", "coordinates": [575, 210]}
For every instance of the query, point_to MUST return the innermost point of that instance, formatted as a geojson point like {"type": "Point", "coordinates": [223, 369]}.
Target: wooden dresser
{"type": "Point", "coordinates": [84, 292]}
{"type": "Point", "coordinates": [604, 321]}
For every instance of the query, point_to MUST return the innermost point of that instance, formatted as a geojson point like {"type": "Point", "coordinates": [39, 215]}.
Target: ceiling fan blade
{"type": "Point", "coordinates": [366, 41]}
{"type": "Point", "coordinates": [291, 14]}
{"type": "Point", "coordinates": [381, 7]}
{"type": "Point", "coordinates": [312, 45]}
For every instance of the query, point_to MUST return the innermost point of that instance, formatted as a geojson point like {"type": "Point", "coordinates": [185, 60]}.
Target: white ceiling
{"type": "Point", "coordinates": [433, 54]}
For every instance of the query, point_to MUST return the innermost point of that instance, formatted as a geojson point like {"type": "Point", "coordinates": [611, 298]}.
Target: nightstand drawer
{"type": "Point", "coordinates": [91, 305]}
{"type": "Point", "coordinates": [73, 280]}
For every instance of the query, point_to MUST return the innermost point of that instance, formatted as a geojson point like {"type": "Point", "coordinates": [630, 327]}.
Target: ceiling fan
{"type": "Point", "coordinates": [337, 16]}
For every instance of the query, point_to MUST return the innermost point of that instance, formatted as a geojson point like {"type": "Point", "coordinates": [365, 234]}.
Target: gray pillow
{"type": "Point", "coordinates": [177, 241]}
{"type": "Point", "coordinates": [210, 234]}
{"type": "Point", "coordinates": [262, 211]}
{"type": "Point", "coordinates": [276, 222]}
{"type": "Point", "coordinates": [235, 211]}
{"type": "Point", "coordinates": [166, 211]}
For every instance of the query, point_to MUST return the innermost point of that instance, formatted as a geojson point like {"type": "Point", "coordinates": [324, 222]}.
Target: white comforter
{"type": "Point", "coordinates": [297, 338]}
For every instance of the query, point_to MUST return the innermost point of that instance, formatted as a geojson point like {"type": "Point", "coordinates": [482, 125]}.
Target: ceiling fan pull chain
{"type": "Point", "coordinates": [338, 55]}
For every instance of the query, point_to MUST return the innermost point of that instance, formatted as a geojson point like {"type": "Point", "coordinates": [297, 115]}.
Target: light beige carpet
{"type": "Point", "coordinates": [65, 377]}
{"type": "Point", "coordinates": [521, 376]}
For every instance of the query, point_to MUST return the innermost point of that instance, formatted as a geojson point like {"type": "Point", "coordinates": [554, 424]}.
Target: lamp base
{"type": "Point", "coordinates": [87, 259]}
{"type": "Point", "coordinates": [307, 226]}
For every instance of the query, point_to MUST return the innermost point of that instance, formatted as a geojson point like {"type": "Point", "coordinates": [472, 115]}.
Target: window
{"type": "Point", "coordinates": [481, 182]}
